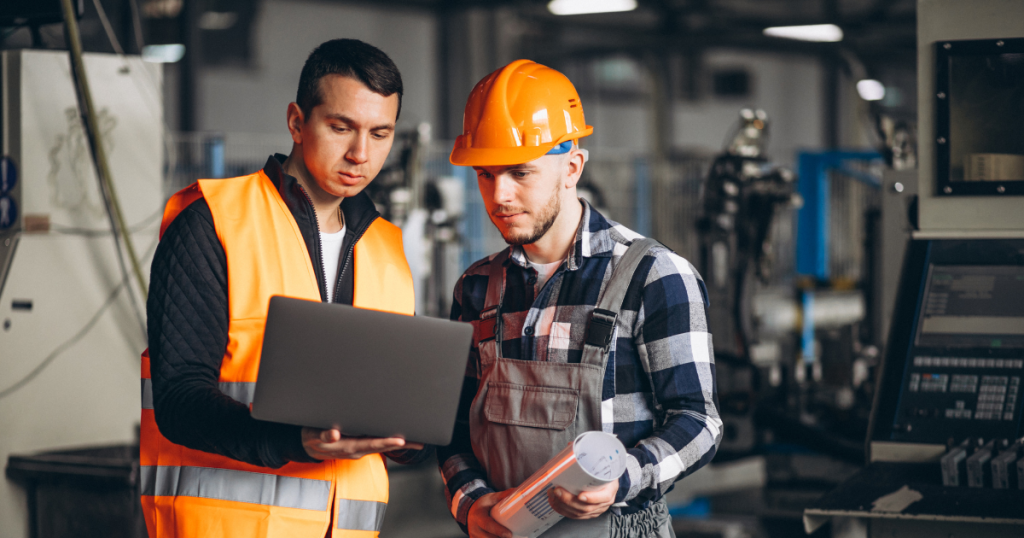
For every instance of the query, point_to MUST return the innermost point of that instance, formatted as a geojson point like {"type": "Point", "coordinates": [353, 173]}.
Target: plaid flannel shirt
{"type": "Point", "coordinates": [659, 394]}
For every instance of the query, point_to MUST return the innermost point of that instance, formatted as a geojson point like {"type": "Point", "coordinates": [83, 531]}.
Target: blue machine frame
{"type": "Point", "coordinates": [813, 218]}
{"type": "Point", "coordinates": [812, 231]}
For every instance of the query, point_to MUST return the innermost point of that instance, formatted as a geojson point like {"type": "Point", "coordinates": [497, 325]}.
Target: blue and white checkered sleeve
{"type": "Point", "coordinates": [675, 349]}
{"type": "Point", "coordinates": [464, 478]}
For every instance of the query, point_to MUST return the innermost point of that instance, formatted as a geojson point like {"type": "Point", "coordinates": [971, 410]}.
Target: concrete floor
{"type": "Point", "coordinates": [417, 507]}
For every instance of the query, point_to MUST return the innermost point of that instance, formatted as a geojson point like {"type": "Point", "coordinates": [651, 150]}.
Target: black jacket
{"type": "Point", "coordinates": [187, 315]}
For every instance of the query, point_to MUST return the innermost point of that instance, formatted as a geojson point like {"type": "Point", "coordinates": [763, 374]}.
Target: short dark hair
{"type": "Point", "coordinates": [349, 58]}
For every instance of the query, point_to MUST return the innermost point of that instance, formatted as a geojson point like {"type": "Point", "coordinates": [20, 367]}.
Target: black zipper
{"type": "Point", "coordinates": [348, 255]}
{"type": "Point", "coordinates": [319, 250]}
{"type": "Point", "coordinates": [319, 247]}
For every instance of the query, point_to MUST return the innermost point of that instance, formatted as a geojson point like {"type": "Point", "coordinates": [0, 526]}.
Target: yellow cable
{"type": "Point", "coordinates": [78, 65]}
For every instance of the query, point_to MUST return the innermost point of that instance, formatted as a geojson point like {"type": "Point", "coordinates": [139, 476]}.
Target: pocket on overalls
{"type": "Point", "coordinates": [525, 426]}
{"type": "Point", "coordinates": [551, 408]}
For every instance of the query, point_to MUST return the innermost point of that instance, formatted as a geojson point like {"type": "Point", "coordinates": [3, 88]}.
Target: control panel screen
{"type": "Point", "coordinates": [964, 373]}
{"type": "Point", "coordinates": [954, 364]}
{"type": "Point", "coordinates": [977, 306]}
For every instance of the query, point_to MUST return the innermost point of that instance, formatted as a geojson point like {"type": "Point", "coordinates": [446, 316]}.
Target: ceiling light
{"type": "Point", "coordinates": [163, 54]}
{"type": "Point", "coordinates": [823, 33]}
{"type": "Point", "coordinates": [580, 7]}
{"type": "Point", "coordinates": [870, 90]}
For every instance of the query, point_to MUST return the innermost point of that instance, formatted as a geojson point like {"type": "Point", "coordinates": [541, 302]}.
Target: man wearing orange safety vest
{"type": "Point", "coordinates": [300, 227]}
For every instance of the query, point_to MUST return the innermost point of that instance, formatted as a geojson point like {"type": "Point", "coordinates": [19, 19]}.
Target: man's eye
{"type": "Point", "coordinates": [340, 129]}
{"type": "Point", "coordinates": [380, 136]}
{"type": "Point", "coordinates": [520, 174]}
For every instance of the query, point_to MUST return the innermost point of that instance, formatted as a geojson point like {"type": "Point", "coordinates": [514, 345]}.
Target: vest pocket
{"type": "Point", "coordinates": [551, 408]}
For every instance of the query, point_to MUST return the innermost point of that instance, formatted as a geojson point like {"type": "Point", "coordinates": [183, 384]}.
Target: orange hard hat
{"type": "Point", "coordinates": [517, 114]}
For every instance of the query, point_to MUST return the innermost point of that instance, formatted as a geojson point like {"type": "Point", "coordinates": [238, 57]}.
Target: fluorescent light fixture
{"type": "Point", "coordinates": [870, 90]}
{"type": "Point", "coordinates": [163, 54]}
{"type": "Point", "coordinates": [580, 7]}
{"type": "Point", "coordinates": [822, 33]}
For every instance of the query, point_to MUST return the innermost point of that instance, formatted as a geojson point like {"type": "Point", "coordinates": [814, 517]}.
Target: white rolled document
{"type": "Point", "coordinates": [592, 460]}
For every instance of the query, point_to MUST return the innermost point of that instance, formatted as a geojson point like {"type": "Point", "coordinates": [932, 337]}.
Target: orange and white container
{"type": "Point", "coordinates": [592, 460]}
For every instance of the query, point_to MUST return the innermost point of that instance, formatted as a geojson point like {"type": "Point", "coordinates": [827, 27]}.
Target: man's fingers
{"type": "Point", "coordinates": [566, 510]}
{"type": "Point", "coordinates": [481, 524]}
{"type": "Point", "coordinates": [328, 444]}
{"type": "Point", "coordinates": [481, 532]}
{"type": "Point", "coordinates": [332, 435]}
{"type": "Point", "coordinates": [591, 498]}
{"type": "Point", "coordinates": [601, 496]}
{"type": "Point", "coordinates": [493, 528]}
{"type": "Point", "coordinates": [363, 446]}
{"type": "Point", "coordinates": [572, 506]}
{"type": "Point", "coordinates": [560, 501]}
{"type": "Point", "coordinates": [385, 443]}
{"type": "Point", "coordinates": [500, 496]}
{"type": "Point", "coordinates": [570, 500]}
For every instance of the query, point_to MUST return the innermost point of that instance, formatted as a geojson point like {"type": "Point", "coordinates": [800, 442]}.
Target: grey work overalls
{"type": "Point", "coordinates": [526, 411]}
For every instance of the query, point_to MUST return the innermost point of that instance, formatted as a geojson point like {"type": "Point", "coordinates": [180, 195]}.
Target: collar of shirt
{"type": "Point", "coordinates": [592, 240]}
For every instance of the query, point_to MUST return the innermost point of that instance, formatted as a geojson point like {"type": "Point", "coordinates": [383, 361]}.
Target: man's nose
{"type": "Point", "coordinates": [504, 189]}
{"type": "Point", "coordinates": [358, 151]}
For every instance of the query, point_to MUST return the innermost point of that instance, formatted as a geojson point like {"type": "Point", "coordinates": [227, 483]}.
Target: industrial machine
{"type": "Point", "coordinates": [786, 349]}
{"type": "Point", "coordinates": [419, 191]}
{"type": "Point", "coordinates": [948, 408]}
{"type": "Point", "coordinates": [70, 332]}
{"type": "Point", "coordinates": [944, 442]}
{"type": "Point", "coordinates": [741, 197]}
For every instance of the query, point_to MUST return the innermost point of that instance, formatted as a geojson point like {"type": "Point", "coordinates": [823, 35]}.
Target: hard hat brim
{"type": "Point", "coordinates": [508, 156]}
{"type": "Point", "coordinates": [497, 156]}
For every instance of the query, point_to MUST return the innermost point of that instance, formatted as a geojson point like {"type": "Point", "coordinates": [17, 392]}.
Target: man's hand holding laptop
{"type": "Point", "coordinates": [331, 444]}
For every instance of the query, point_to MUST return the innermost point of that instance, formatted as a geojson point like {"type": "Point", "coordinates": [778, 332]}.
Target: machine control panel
{"type": "Point", "coordinates": [970, 396]}
{"type": "Point", "coordinates": [962, 362]}
{"type": "Point", "coordinates": [979, 397]}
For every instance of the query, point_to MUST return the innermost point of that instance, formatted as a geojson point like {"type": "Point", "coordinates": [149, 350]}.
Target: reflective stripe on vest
{"type": "Point", "coordinates": [360, 515]}
{"type": "Point", "coordinates": [147, 393]}
{"type": "Point", "coordinates": [240, 391]}
{"type": "Point", "coordinates": [238, 486]}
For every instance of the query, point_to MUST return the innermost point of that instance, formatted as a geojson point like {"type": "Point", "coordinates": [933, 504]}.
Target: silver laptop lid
{"type": "Point", "coordinates": [370, 373]}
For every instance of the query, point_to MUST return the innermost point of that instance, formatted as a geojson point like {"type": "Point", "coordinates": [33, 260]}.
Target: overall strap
{"type": "Point", "coordinates": [490, 316]}
{"type": "Point", "coordinates": [602, 321]}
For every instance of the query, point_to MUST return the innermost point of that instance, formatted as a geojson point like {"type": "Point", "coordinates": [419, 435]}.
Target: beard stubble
{"type": "Point", "coordinates": [545, 219]}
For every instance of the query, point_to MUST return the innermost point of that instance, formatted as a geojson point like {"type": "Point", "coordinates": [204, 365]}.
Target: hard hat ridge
{"type": "Point", "coordinates": [517, 114]}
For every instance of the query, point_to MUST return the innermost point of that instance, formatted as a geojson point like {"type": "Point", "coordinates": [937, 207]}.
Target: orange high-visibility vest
{"type": "Point", "coordinates": [191, 493]}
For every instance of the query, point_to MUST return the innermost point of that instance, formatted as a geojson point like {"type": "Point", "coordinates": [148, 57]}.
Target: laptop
{"type": "Point", "coordinates": [370, 373]}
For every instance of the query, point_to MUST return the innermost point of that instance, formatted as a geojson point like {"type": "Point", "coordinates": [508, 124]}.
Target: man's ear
{"type": "Point", "coordinates": [296, 119]}
{"type": "Point", "coordinates": [573, 168]}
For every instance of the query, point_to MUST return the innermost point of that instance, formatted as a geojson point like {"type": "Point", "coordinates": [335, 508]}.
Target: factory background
{"type": "Point", "coordinates": [786, 167]}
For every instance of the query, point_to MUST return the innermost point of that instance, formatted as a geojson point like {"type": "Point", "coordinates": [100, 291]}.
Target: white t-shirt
{"type": "Point", "coordinates": [330, 247]}
{"type": "Point", "coordinates": [544, 271]}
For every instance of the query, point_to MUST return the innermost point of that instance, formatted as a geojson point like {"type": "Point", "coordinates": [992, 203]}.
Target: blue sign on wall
{"type": "Point", "coordinates": [8, 175]}
{"type": "Point", "coordinates": [8, 212]}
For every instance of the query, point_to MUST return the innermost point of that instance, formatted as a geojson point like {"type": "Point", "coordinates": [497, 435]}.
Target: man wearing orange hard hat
{"type": "Point", "coordinates": [580, 325]}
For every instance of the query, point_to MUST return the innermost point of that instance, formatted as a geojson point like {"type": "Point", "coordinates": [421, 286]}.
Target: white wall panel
{"type": "Point", "coordinates": [787, 87]}
{"type": "Point", "coordinates": [89, 394]}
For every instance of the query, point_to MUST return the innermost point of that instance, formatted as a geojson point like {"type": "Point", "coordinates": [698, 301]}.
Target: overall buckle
{"type": "Point", "coordinates": [600, 328]}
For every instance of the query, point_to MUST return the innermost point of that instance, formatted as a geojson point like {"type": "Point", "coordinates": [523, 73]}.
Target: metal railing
{"type": "Point", "coordinates": [192, 156]}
